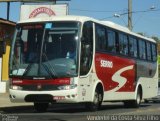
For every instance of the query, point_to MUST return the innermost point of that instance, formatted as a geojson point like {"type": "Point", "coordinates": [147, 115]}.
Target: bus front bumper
{"type": "Point", "coordinates": [59, 96]}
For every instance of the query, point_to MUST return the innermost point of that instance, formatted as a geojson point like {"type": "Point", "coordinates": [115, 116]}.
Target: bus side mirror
{"type": "Point", "coordinates": [2, 48]}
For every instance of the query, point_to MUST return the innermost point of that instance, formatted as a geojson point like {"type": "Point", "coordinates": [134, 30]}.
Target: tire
{"type": "Point", "coordinates": [137, 102]}
{"type": "Point", "coordinates": [97, 101]}
{"type": "Point", "coordinates": [155, 101]}
{"type": "Point", "coordinates": [134, 103]}
{"type": "Point", "coordinates": [146, 101]}
{"type": "Point", "coordinates": [40, 107]}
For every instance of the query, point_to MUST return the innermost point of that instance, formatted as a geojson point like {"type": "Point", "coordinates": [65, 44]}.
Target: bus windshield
{"type": "Point", "coordinates": [45, 50]}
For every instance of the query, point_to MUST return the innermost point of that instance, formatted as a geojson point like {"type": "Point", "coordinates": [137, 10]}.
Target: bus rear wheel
{"type": "Point", "coordinates": [134, 103]}
{"type": "Point", "coordinates": [40, 107]}
{"type": "Point", "coordinates": [137, 102]}
{"type": "Point", "coordinates": [97, 101]}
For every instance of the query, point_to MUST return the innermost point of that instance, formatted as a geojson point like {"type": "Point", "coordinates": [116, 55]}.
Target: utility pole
{"type": "Point", "coordinates": [130, 15]}
{"type": "Point", "coordinates": [8, 10]}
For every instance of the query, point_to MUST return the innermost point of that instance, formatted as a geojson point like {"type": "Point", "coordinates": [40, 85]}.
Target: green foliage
{"type": "Point", "coordinates": [158, 59]}
{"type": "Point", "coordinates": [156, 38]}
{"type": "Point", "coordinates": [141, 33]}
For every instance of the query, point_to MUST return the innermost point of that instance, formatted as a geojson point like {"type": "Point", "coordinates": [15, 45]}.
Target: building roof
{"type": "Point", "coordinates": [4, 21]}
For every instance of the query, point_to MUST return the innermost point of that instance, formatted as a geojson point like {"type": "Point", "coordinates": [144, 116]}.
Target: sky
{"type": "Point", "coordinates": [145, 20]}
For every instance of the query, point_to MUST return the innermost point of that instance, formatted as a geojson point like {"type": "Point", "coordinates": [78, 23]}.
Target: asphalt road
{"type": "Point", "coordinates": [108, 112]}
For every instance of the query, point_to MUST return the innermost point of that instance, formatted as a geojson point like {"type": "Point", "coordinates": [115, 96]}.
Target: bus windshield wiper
{"type": "Point", "coordinates": [27, 69]}
{"type": "Point", "coordinates": [15, 62]}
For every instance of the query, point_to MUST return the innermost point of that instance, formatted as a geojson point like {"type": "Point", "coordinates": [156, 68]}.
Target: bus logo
{"type": "Point", "coordinates": [106, 64]}
{"type": "Point", "coordinates": [119, 79]}
{"type": "Point", "coordinates": [39, 86]}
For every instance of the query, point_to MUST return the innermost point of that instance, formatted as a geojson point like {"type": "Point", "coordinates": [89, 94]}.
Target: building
{"type": "Point", "coordinates": [6, 34]}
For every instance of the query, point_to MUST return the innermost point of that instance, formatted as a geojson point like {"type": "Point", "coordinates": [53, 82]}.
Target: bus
{"type": "Point", "coordinates": [78, 59]}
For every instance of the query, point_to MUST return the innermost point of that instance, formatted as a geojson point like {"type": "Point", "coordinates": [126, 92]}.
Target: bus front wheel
{"type": "Point", "coordinates": [97, 101]}
{"type": "Point", "coordinates": [40, 107]}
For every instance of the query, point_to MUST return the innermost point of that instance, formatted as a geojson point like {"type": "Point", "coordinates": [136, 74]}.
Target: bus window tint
{"type": "Point", "coordinates": [142, 49]}
{"type": "Point", "coordinates": [86, 48]}
{"type": "Point", "coordinates": [100, 38]}
{"type": "Point", "coordinates": [123, 44]}
{"type": "Point", "coordinates": [111, 47]}
{"type": "Point", "coordinates": [154, 52]}
{"type": "Point", "coordinates": [149, 51]}
{"type": "Point", "coordinates": [132, 47]}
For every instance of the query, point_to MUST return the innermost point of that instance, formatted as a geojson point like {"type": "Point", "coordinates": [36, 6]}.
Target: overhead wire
{"type": "Point", "coordinates": [98, 11]}
{"type": "Point", "coordinates": [133, 12]}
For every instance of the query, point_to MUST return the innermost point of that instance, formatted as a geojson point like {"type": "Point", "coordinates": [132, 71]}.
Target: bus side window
{"type": "Point", "coordinates": [123, 44]}
{"type": "Point", "coordinates": [142, 49]}
{"type": "Point", "coordinates": [86, 48]}
{"type": "Point", "coordinates": [101, 40]}
{"type": "Point", "coordinates": [111, 37]}
{"type": "Point", "coordinates": [149, 57]}
{"type": "Point", "coordinates": [154, 52]}
{"type": "Point", "coordinates": [133, 47]}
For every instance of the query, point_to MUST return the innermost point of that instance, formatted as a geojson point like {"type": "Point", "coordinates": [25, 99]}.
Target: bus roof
{"type": "Point", "coordinates": [83, 19]}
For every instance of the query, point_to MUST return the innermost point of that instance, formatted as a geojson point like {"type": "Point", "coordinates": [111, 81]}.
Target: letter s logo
{"type": "Point", "coordinates": [119, 79]}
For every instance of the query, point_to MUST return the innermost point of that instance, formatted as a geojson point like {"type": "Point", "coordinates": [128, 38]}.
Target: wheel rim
{"type": "Point", "coordinates": [96, 99]}
{"type": "Point", "coordinates": [138, 98]}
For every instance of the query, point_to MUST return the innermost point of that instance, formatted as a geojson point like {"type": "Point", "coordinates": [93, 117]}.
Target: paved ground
{"type": "Point", "coordinates": [109, 112]}
{"type": "Point", "coordinates": [5, 101]}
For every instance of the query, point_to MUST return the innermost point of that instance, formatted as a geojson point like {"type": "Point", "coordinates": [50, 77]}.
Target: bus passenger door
{"type": "Point", "coordinates": [86, 59]}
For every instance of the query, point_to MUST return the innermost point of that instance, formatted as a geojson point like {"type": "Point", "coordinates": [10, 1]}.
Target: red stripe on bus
{"type": "Point", "coordinates": [61, 81]}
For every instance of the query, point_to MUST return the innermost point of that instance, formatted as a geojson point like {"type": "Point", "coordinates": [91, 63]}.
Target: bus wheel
{"type": "Point", "coordinates": [146, 101]}
{"type": "Point", "coordinates": [97, 101]}
{"type": "Point", "coordinates": [40, 107]}
{"type": "Point", "coordinates": [137, 102]}
{"type": "Point", "coordinates": [134, 103]}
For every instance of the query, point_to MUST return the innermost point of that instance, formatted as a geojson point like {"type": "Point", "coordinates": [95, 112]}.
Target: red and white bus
{"type": "Point", "coordinates": [75, 59]}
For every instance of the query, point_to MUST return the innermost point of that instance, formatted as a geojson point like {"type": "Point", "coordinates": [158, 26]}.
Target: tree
{"type": "Point", "coordinates": [141, 33]}
{"type": "Point", "coordinates": [153, 37]}
{"type": "Point", "coordinates": [156, 38]}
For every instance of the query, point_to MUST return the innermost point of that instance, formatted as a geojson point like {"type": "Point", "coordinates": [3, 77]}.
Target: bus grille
{"type": "Point", "coordinates": [39, 98]}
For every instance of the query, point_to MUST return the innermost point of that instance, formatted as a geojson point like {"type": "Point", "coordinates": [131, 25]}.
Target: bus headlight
{"type": "Point", "coordinates": [67, 87]}
{"type": "Point", "coordinates": [16, 87]}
